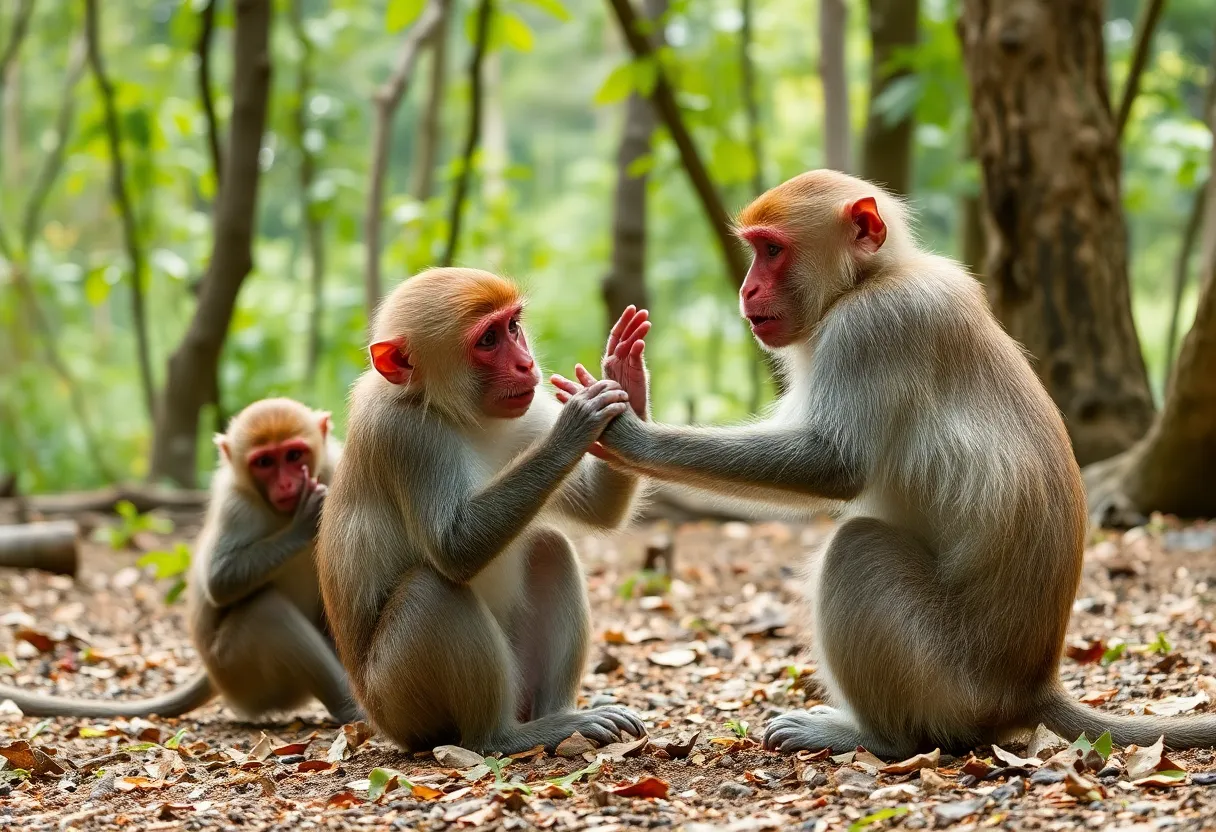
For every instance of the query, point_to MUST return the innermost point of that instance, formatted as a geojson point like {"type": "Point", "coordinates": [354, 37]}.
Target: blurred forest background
{"type": "Point", "coordinates": [199, 199]}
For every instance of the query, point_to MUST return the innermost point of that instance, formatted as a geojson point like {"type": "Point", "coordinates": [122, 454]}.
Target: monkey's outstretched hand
{"type": "Point", "coordinates": [567, 390]}
{"type": "Point", "coordinates": [623, 360]}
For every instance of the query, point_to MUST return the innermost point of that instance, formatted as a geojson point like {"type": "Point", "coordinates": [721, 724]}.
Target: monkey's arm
{"type": "Point", "coordinates": [754, 457]}
{"type": "Point", "coordinates": [598, 494]}
{"type": "Point", "coordinates": [469, 526]}
{"type": "Point", "coordinates": [238, 566]}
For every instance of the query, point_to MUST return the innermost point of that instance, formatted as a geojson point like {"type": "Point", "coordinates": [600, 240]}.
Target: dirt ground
{"type": "Point", "coordinates": [705, 658]}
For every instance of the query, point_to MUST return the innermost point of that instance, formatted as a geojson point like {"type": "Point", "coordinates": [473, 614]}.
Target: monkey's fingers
{"type": "Point", "coordinates": [597, 449]}
{"type": "Point", "coordinates": [566, 385]}
{"type": "Point", "coordinates": [626, 346]}
{"type": "Point", "coordinates": [585, 377]}
{"type": "Point", "coordinates": [620, 326]}
{"type": "Point", "coordinates": [639, 320]}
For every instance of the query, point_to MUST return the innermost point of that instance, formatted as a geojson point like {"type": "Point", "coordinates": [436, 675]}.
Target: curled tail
{"type": "Point", "coordinates": [1069, 718]}
{"type": "Point", "coordinates": [193, 694]}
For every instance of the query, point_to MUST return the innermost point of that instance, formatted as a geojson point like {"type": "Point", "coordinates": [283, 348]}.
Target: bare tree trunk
{"type": "Point", "coordinates": [625, 282]}
{"type": "Point", "coordinates": [1170, 469]}
{"type": "Point", "coordinates": [833, 28]}
{"type": "Point", "coordinates": [1182, 268]}
{"type": "Point", "coordinates": [313, 227]}
{"type": "Point", "coordinates": [202, 49]}
{"type": "Point", "coordinates": [887, 149]}
{"type": "Point", "coordinates": [122, 202]}
{"type": "Point", "coordinates": [664, 101]}
{"type": "Point", "coordinates": [485, 10]}
{"type": "Point", "coordinates": [428, 129]}
{"type": "Point", "coordinates": [1057, 256]}
{"type": "Point", "coordinates": [193, 365]}
{"type": "Point", "coordinates": [386, 101]}
{"type": "Point", "coordinates": [1150, 14]}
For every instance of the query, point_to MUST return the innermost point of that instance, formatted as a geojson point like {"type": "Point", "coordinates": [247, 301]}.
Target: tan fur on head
{"type": "Point", "coordinates": [812, 208]}
{"type": "Point", "coordinates": [270, 421]}
{"type": "Point", "coordinates": [433, 311]}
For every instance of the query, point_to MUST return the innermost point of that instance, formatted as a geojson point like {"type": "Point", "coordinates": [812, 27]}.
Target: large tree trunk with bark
{"type": "Point", "coordinates": [1171, 469]}
{"type": "Point", "coordinates": [625, 282]}
{"type": "Point", "coordinates": [193, 367]}
{"type": "Point", "coordinates": [1056, 265]}
{"type": "Point", "coordinates": [887, 150]}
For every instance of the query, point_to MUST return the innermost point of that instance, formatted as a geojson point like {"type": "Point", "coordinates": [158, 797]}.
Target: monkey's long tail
{"type": "Point", "coordinates": [193, 694]}
{"type": "Point", "coordinates": [1070, 719]}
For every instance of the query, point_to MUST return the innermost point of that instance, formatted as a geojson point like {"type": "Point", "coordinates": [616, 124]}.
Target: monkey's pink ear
{"type": "Point", "coordinates": [391, 360]}
{"type": "Point", "coordinates": [325, 422]}
{"type": "Point", "coordinates": [221, 442]}
{"type": "Point", "coordinates": [871, 231]}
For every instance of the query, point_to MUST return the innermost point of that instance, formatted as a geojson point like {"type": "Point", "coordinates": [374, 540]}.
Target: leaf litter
{"type": "Point", "coordinates": [730, 644]}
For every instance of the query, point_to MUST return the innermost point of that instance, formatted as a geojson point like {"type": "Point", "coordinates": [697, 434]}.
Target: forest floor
{"type": "Point", "coordinates": [706, 663]}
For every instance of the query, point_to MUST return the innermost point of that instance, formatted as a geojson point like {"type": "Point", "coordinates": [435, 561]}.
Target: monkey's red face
{"type": "Point", "coordinates": [764, 299]}
{"type": "Point", "coordinates": [281, 471]}
{"type": "Point", "coordinates": [499, 354]}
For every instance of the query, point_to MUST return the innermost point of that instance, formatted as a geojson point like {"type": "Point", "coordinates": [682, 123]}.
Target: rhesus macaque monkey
{"type": "Point", "coordinates": [457, 606]}
{"type": "Point", "coordinates": [254, 603]}
{"type": "Point", "coordinates": [941, 601]}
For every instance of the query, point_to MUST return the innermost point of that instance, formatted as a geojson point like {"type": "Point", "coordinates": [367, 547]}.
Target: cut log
{"type": "Point", "coordinates": [51, 547]}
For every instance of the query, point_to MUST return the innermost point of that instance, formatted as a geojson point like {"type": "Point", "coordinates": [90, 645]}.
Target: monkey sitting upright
{"type": "Point", "coordinates": [942, 600]}
{"type": "Point", "coordinates": [254, 605]}
{"type": "Point", "coordinates": [457, 605]}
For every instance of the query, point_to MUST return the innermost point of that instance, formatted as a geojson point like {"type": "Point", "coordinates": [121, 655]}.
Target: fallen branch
{"type": "Point", "coordinates": [143, 497]}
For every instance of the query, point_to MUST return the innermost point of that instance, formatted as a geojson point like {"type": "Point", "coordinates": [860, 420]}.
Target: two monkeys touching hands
{"type": "Point", "coordinates": [437, 594]}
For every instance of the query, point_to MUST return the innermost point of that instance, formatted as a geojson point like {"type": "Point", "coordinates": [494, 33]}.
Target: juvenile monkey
{"type": "Point", "coordinates": [254, 604]}
{"type": "Point", "coordinates": [457, 605]}
{"type": "Point", "coordinates": [941, 602]}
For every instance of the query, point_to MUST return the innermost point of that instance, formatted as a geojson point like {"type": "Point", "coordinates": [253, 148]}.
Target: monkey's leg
{"type": "Point", "coordinates": [441, 669]}
{"type": "Point", "coordinates": [268, 656]}
{"type": "Point", "coordinates": [882, 634]}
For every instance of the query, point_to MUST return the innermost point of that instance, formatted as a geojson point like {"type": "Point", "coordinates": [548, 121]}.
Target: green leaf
{"type": "Point", "coordinates": [137, 127]}
{"type": "Point", "coordinates": [167, 564]}
{"type": "Point", "coordinates": [11, 774]}
{"type": "Point", "coordinates": [88, 732]}
{"type": "Point", "coordinates": [39, 728]}
{"type": "Point", "coordinates": [516, 33]}
{"type": "Point", "coordinates": [1104, 745]}
{"type": "Point", "coordinates": [381, 780]}
{"type": "Point", "coordinates": [176, 740]}
{"type": "Point", "coordinates": [175, 591]}
{"type": "Point", "coordinates": [1083, 744]}
{"type": "Point", "coordinates": [126, 509]}
{"type": "Point", "coordinates": [138, 746]}
{"type": "Point", "coordinates": [7, 661]}
{"type": "Point", "coordinates": [898, 100]}
{"type": "Point", "coordinates": [1160, 645]}
{"type": "Point", "coordinates": [566, 782]}
{"type": "Point", "coordinates": [553, 7]}
{"type": "Point", "coordinates": [616, 87]}
{"type": "Point", "coordinates": [96, 287]}
{"type": "Point", "coordinates": [497, 765]}
{"type": "Point", "coordinates": [738, 727]}
{"type": "Point", "coordinates": [645, 75]}
{"type": "Point", "coordinates": [401, 13]}
{"type": "Point", "coordinates": [640, 166]}
{"type": "Point", "coordinates": [1114, 653]}
{"type": "Point", "coordinates": [875, 817]}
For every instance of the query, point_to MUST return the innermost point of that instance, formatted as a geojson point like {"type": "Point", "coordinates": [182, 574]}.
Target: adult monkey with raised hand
{"type": "Point", "coordinates": [458, 606]}
{"type": "Point", "coordinates": [942, 600]}
{"type": "Point", "coordinates": [254, 604]}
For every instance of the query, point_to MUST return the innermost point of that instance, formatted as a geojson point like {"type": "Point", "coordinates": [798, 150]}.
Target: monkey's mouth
{"type": "Point", "coordinates": [521, 399]}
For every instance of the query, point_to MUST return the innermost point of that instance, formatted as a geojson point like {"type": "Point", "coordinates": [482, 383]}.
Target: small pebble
{"type": "Point", "coordinates": [602, 699]}
{"type": "Point", "coordinates": [1204, 778]}
{"type": "Point", "coordinates": [734, 791]}
{"type": "Point", "coordinates": [720, 649]}
{"type": "Point", "coordinates": [967, 781]}
{"type": "Point", "coordinates": [291, 759]}
{"type": "Point", "coordinates": [1047, 776]}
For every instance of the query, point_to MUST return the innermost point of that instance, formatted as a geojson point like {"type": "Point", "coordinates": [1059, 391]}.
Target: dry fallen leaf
{"type": "Point", "coordinates": [145, 784]}
{"type": "Point", "coordinates": [574, 746]}
{"type": "Point", "coordinates": [453, 756]}
{"type": "Point", "coordinates": [1174, 705]}
{"type": "Point", "coordinates": [866, 761]}
{"type": "Point", "coordinates": [1098, 697]}
{"type": "Point", "coordinates": [1011, 759]}
{"type": "Point", "coordinates": [977, 768]}
{"type": "Point", "coordinates": [931, 781]}
{"type": "Point", "coordinates": [262, 748]}
{"type": "Point", "coordinates": [423, 792]}
{"type": "Point", "coordinates": [673, 658]}
{"type": "Point", "coordinates": [21, 754]}
{"type": "Point", "coordinates": [482, 816]}
{"type": "Point", "coordinates": [42, 641]}
{"type": "Point", "coordinates": [678, 748]}
{"type": "Point", "coordinates": [920, 761]}
{"type": "Point", "coordinates": [621, 750]}
{"type": "Point", "coordinates": [1086, 652]}
{"type": "Point", "coordinates": [1141, 762]}
{"type": "Point", "coordinates": [315, 765]}
{"type": "Point", "coordinates": [1080, 786]}
{"type": "Point", "coordinates": [342, 800]}
{"type": "Point", "coordinates": [646, 787]}
{"type": "Point", "coordinates": [1044, 740]}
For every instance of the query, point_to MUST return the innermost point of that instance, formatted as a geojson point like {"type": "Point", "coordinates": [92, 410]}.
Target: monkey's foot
{"type": "Point", "coordinates": [820, 727]}
{"type": "Point", "coordinates": [623, 718]}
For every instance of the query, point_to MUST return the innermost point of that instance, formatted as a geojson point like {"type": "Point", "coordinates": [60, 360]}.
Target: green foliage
{"type": "Point", "coordinates": [738, 727]}
{"type": "Point", "coordinates": [877, 817]}
{"type": "Point", "coordinates": [1160, 645]}
{"type": "Point", "coordinates": [130, 523]}
{"type": "Point", "coordinates": [645, 582]}
{"type": "Point", "coordinates": [566, 782]}
{"type": "Point", "coordinates": [1113, 653]}
{"type": "Point", "coordinates": [379, 780]}
{"type": "Point", "coordinates": [174, 564]}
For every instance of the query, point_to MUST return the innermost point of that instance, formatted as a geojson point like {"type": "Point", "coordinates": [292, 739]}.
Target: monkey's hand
{"type": "Point", "coordinates": [308, 510]}
{"type": "Point", "coordinates": [588, 409]}
{"type": "Point", "coordinates": [623, 361]}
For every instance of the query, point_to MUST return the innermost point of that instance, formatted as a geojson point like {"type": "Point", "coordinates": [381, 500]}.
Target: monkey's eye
{"type": "Point", "coordinates": [263, 461]}
{"type": "Point", "coordinates": [773, 249]}
{"type": "Point", "coordinates": [487, 339]}
{"type": "Point", "coordinates": [513, 326]}
{"type": "Point", "coordinates": [294, 455]}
